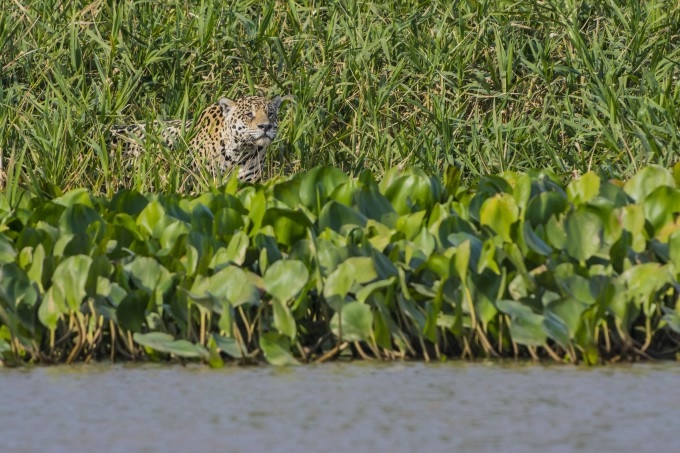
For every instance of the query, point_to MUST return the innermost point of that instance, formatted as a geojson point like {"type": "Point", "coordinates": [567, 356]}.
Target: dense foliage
{"type": "Point", "coordinates": [323, 264]}
{"type": "Point", "coordinates": [491, 85]}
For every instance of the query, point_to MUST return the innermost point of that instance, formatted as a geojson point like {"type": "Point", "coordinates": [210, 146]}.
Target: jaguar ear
{"type": "Point", "coordinates": [276, 102]}
{"type": "Point", "coordinates": [226, 104]}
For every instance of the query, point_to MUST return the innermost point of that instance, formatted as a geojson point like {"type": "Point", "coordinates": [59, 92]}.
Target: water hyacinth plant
{"type": "Point", "coordinates": [321, 265]}
{"type": "Point", "coordinates": [414, 225]}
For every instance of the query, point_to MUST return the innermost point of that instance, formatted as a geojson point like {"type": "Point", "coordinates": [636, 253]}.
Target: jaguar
{"type": "Point", "coordinates": [228, 134]}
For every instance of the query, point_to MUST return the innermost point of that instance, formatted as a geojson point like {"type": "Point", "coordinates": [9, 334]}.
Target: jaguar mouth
{"type": "Point", "coordinates": [263, 140]}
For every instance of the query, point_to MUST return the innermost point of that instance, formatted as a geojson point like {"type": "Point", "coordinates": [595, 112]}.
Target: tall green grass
{"type": "Point", "coordinates": [489, 85]}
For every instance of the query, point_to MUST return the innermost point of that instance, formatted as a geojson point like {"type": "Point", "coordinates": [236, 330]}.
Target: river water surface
{"type": "Point", "coordinates": [341, 407]}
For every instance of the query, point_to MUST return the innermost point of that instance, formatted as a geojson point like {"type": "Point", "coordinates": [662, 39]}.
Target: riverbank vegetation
{"type": "Point", "coordinates": [321, 265]}
{"type": "Point", "coordinates": [415, 223]}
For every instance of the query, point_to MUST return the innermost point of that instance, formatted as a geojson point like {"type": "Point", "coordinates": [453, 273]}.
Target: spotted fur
{"type": "Point", "coordinates": [227, 134]}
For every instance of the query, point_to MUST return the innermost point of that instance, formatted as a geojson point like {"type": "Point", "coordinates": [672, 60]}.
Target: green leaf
{"type": "Point", "coordinates": [150, 217]}
{"type": "Point", "coordinates": [583, 189]}
{"type": "Point", "coordinates": [164, 342]}
{"type": "Point", "coordinates": [283, 319]}
{"type": "Point", "coordinates": [76, 196]}
{"type": "Point", "coordinates": [149, 274]}
{"type": "Point", "coordinates": [289, 226]}
{"type": "Point", "coordinates": [584, 230]}
{"type": "Point", "coordinates": [361, 268]}
{"type": "Point", "coordinates": [230, 285]}
{"type": "Point", "coordinates": [500, 212]}
{"type": "Point", "coordinates": [661, 206]}
{"type": "Point", "coordinates": [285, 279]}
{"type": "Point", "coordinates": [372, 204]}
{"type": "Point", "coordinates": [336, 216]}
{"type": "Point", "coordinates": [363, 293]}
{"type": "Point", "coordinates": [228, 345]}
{"type": "Point", "coordinates": [462, 260]}
{"type": "Point", "coordinates": [353, 323]}
{"type": "Point", "coordinates": [526, 326]}
{"type": "Point", "coordinates": [643, 280]}
{"type": "Point", "coordinates": [276, 349]}
{"type": "Point", "coordinates": [562, 319]}
{"type": "Point", "coordinates": [410, 190]}
{"type": "Point", "coordinates": [534, 242]}
{"type": "Point", "coordinates": [674, 249]}
{"type": "Point", "coordinates": [672, 318]}
{"type": "Point", "coordinates": [527, 330]}
{"type": "Point", "coordinates": [71, 276]}
{"type": "Point", "coordinates": [338, 284]}
{"type": "Point", "coordinates": [228, 221]}
{"type": "Point", "coordinates": [171, 233]}
{"type": "Point", "coordinates": [76, 218]}
{"type": "Point", "coordinates": [131, 312]}
{"type": "Point", "coordinates": [52, 307]}
{"type": "Point", "coordinates": [647, 180]}
{"type": "Point", "coordinates": [543, 206]}
{"type": "Point", "coordinates": [129, 202]}
{"type": "Point", "coordinates": [7, 251]}
{"type": "Point", "coordinates": [317, 184]}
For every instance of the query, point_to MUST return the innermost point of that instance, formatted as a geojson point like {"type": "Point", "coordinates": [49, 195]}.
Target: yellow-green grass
{"type": "Point", "coordinates": [488, 85]}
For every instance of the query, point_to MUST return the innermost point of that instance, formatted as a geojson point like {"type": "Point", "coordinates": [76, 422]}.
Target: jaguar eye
{"type": "Point", "coordinates": [250, 115]}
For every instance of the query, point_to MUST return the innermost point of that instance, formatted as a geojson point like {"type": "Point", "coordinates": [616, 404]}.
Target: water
{"type": "Point", "coordinates": [341, 407]}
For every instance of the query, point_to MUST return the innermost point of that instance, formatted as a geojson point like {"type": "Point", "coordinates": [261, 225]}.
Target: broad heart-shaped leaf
{"type": "Point", "coordinates": [584, 230]}
{"type": "Point", "coordinates": [172, 232]}
{"type": "Point", "coordinates": [318, 184]}
{"type": "Point", "coordinates": [70, 277]}
{"type": "Point", "coordinates": [527, 330]}
{"type": "Point", "coordinates": [562, 319]}
{"type": "Point", "coordinates": [164, 342]}
{"type": "Point", "coordinates": [75, 196]}
{"type": "Point", "coordinates": [148, 273]}
{"type": "Point", "coordinates": [289, 226]}
{"type": "Point", "coordinates": [647, 180]}
{"type": "Point", "coordinates": [285, 279]}
{"type": "Point", "coordinates": [361, 268]}
{"type": "Point", "coordinates": [16, 287]}
{"type": "Point", "coordinates": [129, 202]}
{"type": "Point", "coordinates": [643, 280]}
{"type": "Point", "coordinates": [353, 323]}
{"type": "Point", "coordinates": [52, 307]}
{"type": "Point", "coordinates": [583, 189]}
{"type": "Point", "coordinates": [283, 319]}
{"type": "Point", "coordinates": [202, 219]}
{"type": "Point", "coordinates": [661, 206]}
{"type": "Point", "coordinates": [150, 217]}
{"type": "Point", "coordinates": [371, 203]}
{"type": "Point", "coordinates": [543, 206]}
{"type": "Point", "coordinates": [228, 345]}
{"type": "Point", "coordinates": [7, 251]}
{"type": "Point", "coordinates": [234, 253]}
{"type": "Point", "coordinates": [276, 349]}
{"type": "Point", "coordinates": [338, 284]}
{"type": "Point", "coordinates": [410, 190]}
{"type": "Point", "coordinates": [335, 216]}
{"type": "Point", "coordinates": [526, 326]}
{"type": "Point", "coordinates": [131, 311]}
{"type": "Point", "coordinates": [229, 285]}
{"type": "Point", "coordinates": [228, 221]}
{"type": "Point", "coordinates": [499, 212]}
{"type": "Point", "coordinates": [76, 218]}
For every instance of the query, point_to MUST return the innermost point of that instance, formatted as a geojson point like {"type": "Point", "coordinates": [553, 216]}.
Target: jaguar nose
{"type": "Point", "coordinates": [266, 127]}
